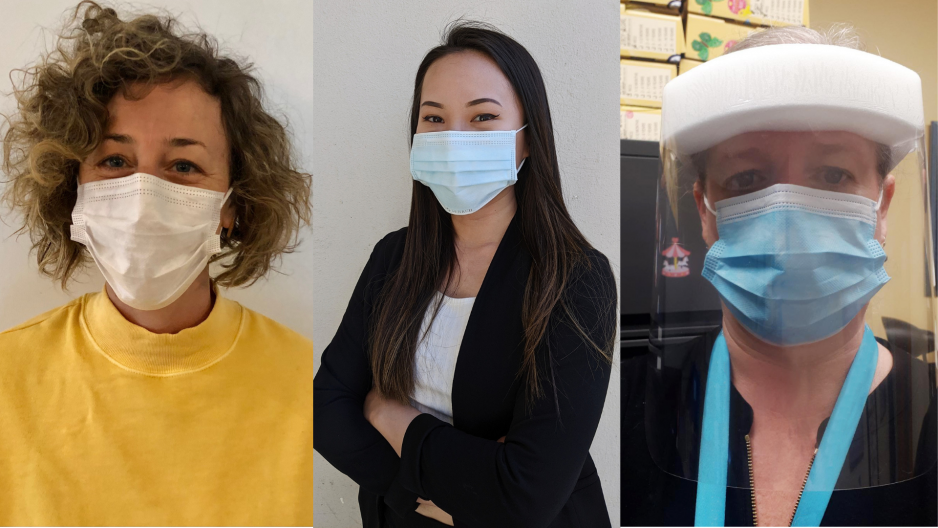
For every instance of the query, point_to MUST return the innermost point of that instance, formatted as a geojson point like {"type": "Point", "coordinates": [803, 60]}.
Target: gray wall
{"type": "Point", "coordinates": [366, 56]}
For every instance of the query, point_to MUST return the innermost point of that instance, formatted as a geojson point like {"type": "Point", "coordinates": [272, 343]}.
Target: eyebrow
{"type": "Point", "coordinates": [119, 138]}
{"type": "Point", "coordinates": [470, 103]}
{"type": "Point", "coordinates": [747, 153]}
{"type": "Point", "coordinates": [832, 148]}
{"type": "Point", "coordinates": [174, 142]}
{"type": "Point", "coordinates": [482, 100]}
{"type": "Point", "coordinates": [186, 142]}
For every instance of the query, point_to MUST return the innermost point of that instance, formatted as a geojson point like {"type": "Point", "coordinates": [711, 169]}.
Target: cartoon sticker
{"type": "Point", "coordinates": [676, 263]}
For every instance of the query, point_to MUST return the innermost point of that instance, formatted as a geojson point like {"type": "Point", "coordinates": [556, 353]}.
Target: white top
{"type": "Point", "coordinates": [435, 359]}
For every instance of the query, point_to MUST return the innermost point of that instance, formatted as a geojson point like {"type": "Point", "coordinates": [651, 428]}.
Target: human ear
{"type": "Point", "coordinates": [889, 190]}
{"type": "Point", "coordinates": [707, 219]}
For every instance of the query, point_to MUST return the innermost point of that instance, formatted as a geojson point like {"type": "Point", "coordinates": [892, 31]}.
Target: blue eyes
{"type": "Point", "coordinates": [118, 163]}
{"type": "Point", "coordinates": [744, 181]}
{"type": "Point", "coordinates": [833, 176]}
{"type": "Point", "coordinates": [114, 162]}
{"type": "Point", "coordinates": [753, 179]}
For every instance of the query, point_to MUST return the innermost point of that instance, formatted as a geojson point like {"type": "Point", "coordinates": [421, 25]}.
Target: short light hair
{"type": "Point", "coordinates": [843, 35]}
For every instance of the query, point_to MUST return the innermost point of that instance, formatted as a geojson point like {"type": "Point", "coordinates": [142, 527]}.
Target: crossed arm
{"type": "Point", "coordinates": [395, 452]}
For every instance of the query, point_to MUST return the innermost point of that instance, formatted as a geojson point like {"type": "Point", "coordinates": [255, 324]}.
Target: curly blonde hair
{"type": "Point", "coordinates": [61, 118]}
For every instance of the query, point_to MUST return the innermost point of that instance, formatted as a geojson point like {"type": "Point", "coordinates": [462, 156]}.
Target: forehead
{"type": "Point", "coordinates": [771, 144]}
{"type": "Point", "coordinates": [171, 108]}
{"type": "Point", "coordinates": [465, 76]}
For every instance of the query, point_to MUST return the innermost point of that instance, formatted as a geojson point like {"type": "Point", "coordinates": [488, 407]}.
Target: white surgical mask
{"type": "Point", "coordinates": [465, 170]}
{"type": "Point", "coordinates": [149, 237]}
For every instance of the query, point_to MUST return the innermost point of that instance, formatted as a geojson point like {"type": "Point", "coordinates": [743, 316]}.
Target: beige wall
{"type": "Point", "coordinates": [905, 31]}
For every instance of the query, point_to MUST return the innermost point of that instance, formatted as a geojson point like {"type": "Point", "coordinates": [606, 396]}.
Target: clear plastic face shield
{"type": "Point", "coordinates": [793, 228]}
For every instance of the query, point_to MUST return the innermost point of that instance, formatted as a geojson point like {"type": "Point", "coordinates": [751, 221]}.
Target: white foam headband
{"type": "Point", "coordinates": [794, 87]}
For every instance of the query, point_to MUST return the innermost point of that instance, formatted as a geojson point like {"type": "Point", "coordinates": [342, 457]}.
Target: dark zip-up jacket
{"type": "Point", "coordinates": [653, 496]}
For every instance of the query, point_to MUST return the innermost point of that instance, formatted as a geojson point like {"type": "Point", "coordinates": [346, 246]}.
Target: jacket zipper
{"type": "Point", "coordinates": [752, 485]}
{"type": "Point", "coordinates": [803, 484]}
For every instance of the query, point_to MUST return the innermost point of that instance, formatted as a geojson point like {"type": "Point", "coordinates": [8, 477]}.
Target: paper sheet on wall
{"type": "Point", "coordinates": [789, 11]}
{"type": "Point", "coordinates": [647, 34]}
{"type": "Point", "coordinates": [640, 126]}
{"type": "Point", "coordinates": [641, 82]}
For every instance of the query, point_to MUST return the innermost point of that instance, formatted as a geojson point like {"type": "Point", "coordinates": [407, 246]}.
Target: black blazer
{"type": "Point", "coordinates": [542, 476]}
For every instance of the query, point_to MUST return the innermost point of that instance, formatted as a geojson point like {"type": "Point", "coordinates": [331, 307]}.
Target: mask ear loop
{"type": "Point", "coordinates": [223, 202]}
{"type": "Point", "coordinates": [519, 166]}
{"type": "Point", "coordinates": [522, 161]}
{"type": "Point", "coordinates": [879, 203]}
{"type": "Point", "coordinates": [708, 206]}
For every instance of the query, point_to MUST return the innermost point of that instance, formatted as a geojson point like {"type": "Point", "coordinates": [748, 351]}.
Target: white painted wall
{"type": "Point", "coordinates": [277, 38]}
{"type": "Point", "coordinates": [366, 57]}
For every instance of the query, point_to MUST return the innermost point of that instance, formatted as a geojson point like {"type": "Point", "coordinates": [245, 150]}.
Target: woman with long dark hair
{"type": "Point", "coordinates": [467, 379]}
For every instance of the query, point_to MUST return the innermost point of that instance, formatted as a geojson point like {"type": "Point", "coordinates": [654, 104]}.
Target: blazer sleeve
{"type": "Point", "coordinates": [525, 481]}
{"type": "Point", "coordinates": [343, 436]}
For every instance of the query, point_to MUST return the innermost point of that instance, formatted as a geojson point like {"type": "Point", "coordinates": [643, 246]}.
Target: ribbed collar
{"type": "Point", "coordinates": [137, 349]}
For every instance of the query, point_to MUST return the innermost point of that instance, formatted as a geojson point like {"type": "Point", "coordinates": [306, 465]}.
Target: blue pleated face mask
{"type": "Point", "coordinates": [794, 264]}
{"type": "Point", "coordinates": [465, 170]}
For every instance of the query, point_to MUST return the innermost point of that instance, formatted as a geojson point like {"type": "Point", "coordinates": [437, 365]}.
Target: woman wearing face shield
{"type": "Point", "coordinates": [490, 270]}
{"type": "Point", "coordinates": [157, 400]}
{"type": "Point", "coordinates": [796, 409]}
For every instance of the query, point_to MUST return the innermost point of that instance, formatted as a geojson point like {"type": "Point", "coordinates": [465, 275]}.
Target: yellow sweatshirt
{"type": "Point", "coordinates": [105, 423]}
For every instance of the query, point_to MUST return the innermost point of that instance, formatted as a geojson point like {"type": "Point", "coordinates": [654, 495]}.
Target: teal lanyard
{"type": "Point", "coordinates": [714, 440]}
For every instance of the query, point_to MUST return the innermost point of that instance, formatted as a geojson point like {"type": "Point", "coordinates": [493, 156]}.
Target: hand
{"type": "Point", "coordinates": [428, 509]}
{"type": "Point", "coordinates": [372, 408]}
{"type": "Point", "coordinates": [389, 417]}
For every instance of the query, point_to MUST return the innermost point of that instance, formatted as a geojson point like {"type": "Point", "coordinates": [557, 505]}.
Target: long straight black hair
{"type": "Point", "coordinates": [429, 262]}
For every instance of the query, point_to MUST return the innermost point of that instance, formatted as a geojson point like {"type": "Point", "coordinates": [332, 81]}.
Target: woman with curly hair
{"type": "Point", "coordinates": [156, 401]}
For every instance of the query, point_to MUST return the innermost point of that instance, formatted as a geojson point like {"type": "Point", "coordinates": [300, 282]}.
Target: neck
{"type": "Point", "coordinates": [487, 225]}
{"type": "Point", "coordinates": [799, 382]}
{"type": "Point", "coordinates": [193, 307]}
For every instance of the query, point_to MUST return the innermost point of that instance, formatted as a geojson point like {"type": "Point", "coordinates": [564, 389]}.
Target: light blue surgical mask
{"type": "Point", "coordinates": [465, 170]}
{"type": "Point", "coordinates": [794, 264]}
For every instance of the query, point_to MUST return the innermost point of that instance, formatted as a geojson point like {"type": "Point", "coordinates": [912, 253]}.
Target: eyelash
{"type": "Point", "coordinates": [195, 168]}
{"type": "Point", "coordinates": [430, 118]}
{"type": "Point", "coordinates": [835, 170]}
{"type": "Point", "coordinates": [104, 164]}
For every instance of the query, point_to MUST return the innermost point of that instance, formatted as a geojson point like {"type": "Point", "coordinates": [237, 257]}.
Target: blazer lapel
{"type": "Point", "coordinates": [486, 380]}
